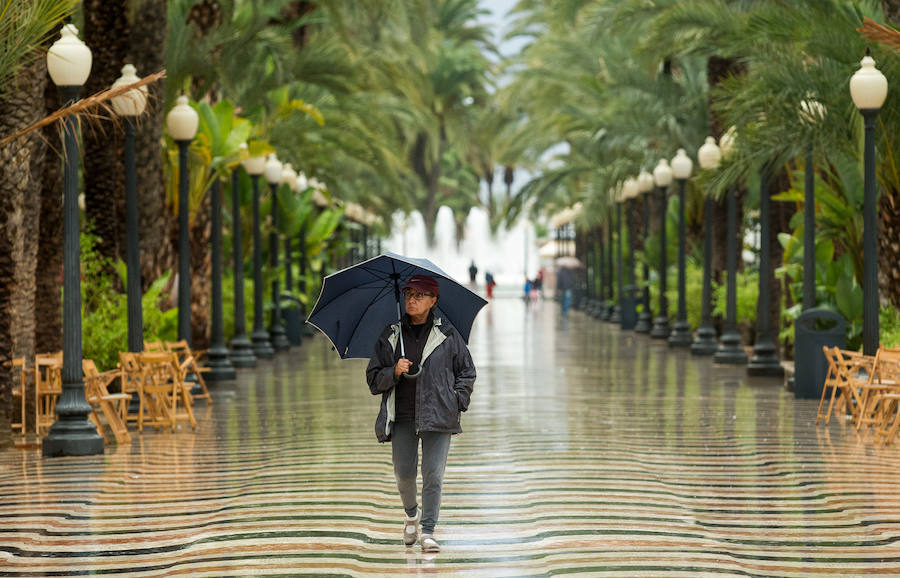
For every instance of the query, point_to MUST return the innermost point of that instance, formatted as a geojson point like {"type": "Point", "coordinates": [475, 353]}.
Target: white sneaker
{"type": "Point", "coordinates": [429, 544]}
{"type": "Point", "coordinates": [411, 529]}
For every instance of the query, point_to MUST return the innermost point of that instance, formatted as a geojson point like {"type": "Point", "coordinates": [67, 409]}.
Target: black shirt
{"type": "Point", "coordinates": [414, 338]}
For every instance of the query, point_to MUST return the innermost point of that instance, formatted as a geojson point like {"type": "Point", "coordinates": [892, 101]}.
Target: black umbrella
{"type": "Point", "coordinates": [358, 302]}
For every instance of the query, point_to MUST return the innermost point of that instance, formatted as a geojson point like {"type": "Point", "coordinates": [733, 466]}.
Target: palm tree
{"type": "Point", "coordinates": [25, 28]}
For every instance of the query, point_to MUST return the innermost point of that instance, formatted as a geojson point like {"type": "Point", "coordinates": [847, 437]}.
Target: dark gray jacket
{"type": "Point", "coordinates": [443, 388]}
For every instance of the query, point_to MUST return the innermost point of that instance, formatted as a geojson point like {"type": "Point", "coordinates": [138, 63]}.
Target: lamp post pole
{"type": "Point", "coordinates": [128, 106]}
{"type": "Point", "coordinates": [662, 176]}
{"type": "Point", "coordinates": [730, 350]}
{"type": "Point", "coordinates": [69, 64]}
{"type": "Point", "coordinates": [809, 233]}
{"type": "Point", "coordinates": [610, 260]}
{"type": "Point", "coordinates": [620, 285]}
{"type": "Point", "coordinates": [681, 170]}
{"type": "Point", "coordinates": [868, 88]}
{"type": "Point", "coordinates": [241, 348]}
{"type": "Point", "coordinates": [645, 187]}
{"type": "Point", "coordinates": [182, 122]}
{"type": "Point", "coordinates": [765, 354]}
{"type": "Point", "coordinates": [220, 367]}
{"type": "Point", "coordinates": [708, 156]}
{"type": "Point", "coordinates": [262, 348]}
{"type": "Point", "coordinates": [277, 334]}
{"type": "Point", "coordinates": [629, 313]}
{"type": "Point", "coordinates": [616, 316]}
{"type": "Point", "coordinates": [601, 312]}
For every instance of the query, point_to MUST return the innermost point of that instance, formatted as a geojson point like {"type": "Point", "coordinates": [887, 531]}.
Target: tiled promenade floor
{"type": "Point", "coordinates": [586, 451]}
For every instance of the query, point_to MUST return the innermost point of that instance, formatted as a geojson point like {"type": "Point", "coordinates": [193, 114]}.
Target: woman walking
{"type": "Point", "coordinates": [423, 393]}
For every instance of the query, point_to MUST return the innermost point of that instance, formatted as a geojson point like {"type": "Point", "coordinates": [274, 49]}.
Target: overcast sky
{"type": "Point", "coordinates": [497, 21]}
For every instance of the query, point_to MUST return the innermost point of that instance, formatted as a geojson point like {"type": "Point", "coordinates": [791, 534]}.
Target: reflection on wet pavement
{"type": "Point", "coordinates": [586, 450]}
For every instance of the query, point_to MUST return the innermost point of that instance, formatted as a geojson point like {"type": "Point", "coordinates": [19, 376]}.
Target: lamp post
{"type": "Point", "coordinates": [277, 333]}
{"type": "Point", "coordinates": [610, 265]}
{"type": "Point", "coordinates": [708, 157]}
{"type": "Point", "coordinates": [868, 88]}
{"type": "Point", "coordinates": [645, 186]}
{"type": "Point", "coordinates": [616, 198]}
{"type": "Point", "coordinates": [765, 354]}
{"type": "Point", "coordinates": [182, 122]}
{"type": "Point", "coordinates": [128, 106]}
{"type": "Point", "coordinates": [602, 310]}
{"type": "Point", "coordinates": [629, 314]}
{"type": "Point", "coordinates": [289, 178]}
{"type": "Point", "coordinates": [69, 64]}
{"type": "Point", "coordinates": [810, 111]}
{"type": "Point", "coordinates": [682, 166]}
{"type": "Point", "coordinates": [302, 185]}
{"type": "Point", "coordinates": [262, 347]}
{"type": "Point", "coordinates": [662, 177]}
{"type": "Point", "coordinates": [241, 348]}
{"type": "Point", "coordinates": [730, 350]}
{"type": "Point", "coordinates": [220, 367]}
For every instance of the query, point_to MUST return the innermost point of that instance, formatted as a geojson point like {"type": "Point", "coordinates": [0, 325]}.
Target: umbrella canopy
{"type": "Point", "coordinates": [358, 302]}
{"type": "Point", "coordinates": [568, 262]}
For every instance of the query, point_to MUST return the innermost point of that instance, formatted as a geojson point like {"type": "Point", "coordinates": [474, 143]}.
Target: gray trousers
{"type": "Point", "coordinates": [405, 455]}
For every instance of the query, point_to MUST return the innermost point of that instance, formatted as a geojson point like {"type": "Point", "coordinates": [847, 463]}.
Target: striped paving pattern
{"type": "Point", "coordinates": [586, 451]}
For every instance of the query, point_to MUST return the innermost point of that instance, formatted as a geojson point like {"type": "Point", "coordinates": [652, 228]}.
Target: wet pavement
{"type": "Point", "coordinates": [586, 450]}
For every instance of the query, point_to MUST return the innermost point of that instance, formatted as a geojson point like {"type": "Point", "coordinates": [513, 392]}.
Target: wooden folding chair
{"type": "Point", "coordinates": [884, 379]}
{"type": "Point", "coordinates": [842, 382]}
{"type": "Point", "coordinates": [113, 406]}
{"type": "Point", "coordinates": [129, 381]}
{"type": "Point", "coordinates": [187, 362]}
{"type": "Point", "coordinates": [154, 347]}
{"type": "Point", "coordinates": [47, 389]}
{"type": "Point", "coordinates": [19, 391]}
{"type": "Point", "coordinates": [887, 417]}
{"type": "Point", "coordinates": [160, 389]}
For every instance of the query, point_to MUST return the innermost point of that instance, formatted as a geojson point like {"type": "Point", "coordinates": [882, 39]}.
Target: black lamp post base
{"type": "Point", "coordinates": [604, 311]}
{"type": "Point", "coordinates": [681, 335]}
{"type": "Point", "coordinates": [278, 337]}
{"type": "Point", "coordinates": [704, 342]}
{"type": "Point", "coordinates": [220, 367]}
{"type": "Point", "coordinates": [262, 347]}
{"type": "Point", "coordinates": [628, 311]}
{"type": "Point", "coordinates": [242, 352]}
{"type": "Point", "coordinates": [616, 315]}
{"type": "Point", "coordinates": [72, 437]}
{"type": "Point", "coordinates": [661, 328]}
{"type": "Point", "coordinates": [730, 350]}
{"type": "Point", "coordinates": [643, 323]}
{"type": "Point", "coordinates": [765, 361]}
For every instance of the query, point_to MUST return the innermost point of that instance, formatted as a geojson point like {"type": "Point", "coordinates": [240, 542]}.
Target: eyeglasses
{"type": "Point", "coordinates": [416, 296]}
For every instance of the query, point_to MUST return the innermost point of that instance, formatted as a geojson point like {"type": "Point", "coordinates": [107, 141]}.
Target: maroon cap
{"type": "Point", "coordinates": [423, 283]}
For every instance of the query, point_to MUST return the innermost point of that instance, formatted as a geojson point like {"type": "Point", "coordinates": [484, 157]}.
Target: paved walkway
{"type": "Point", "coordinates": [586, 451]}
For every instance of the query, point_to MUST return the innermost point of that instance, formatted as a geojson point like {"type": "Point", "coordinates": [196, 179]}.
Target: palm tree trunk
{"type": "Point", "coordinates": [717, 70]}
{"type": "Point", "coordinates": [19, 214]}
{"type": "Point", "coordinates": [201, 275]}
{"type": "Point", "coordinates": [148, 54]}
{"type": "Point", "coordinates": [106, 32]}
{"type": "Point", "coordinates": [891, 11]}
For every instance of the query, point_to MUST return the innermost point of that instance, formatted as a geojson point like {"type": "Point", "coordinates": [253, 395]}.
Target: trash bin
{"type": "Point", "coordinates": [814, 329]}
{"type": "Point", "coordinates": [293, 317]}
{"type": "Point", "coordinates": [628, 308]}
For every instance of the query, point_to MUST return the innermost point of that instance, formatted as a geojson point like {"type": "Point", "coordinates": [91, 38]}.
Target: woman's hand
{"type": "Point", "coordinates": [402, 366]}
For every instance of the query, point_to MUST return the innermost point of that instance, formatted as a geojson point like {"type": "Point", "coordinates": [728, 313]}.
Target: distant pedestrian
{"type": "Point", "coordinates": [489, 284]}
{"type": "Point", "coordinates": [565, 282]}
{"type": "Point", "coordinates": [473, 273]}
{"type": "Point", "coordinates": [427, 390]}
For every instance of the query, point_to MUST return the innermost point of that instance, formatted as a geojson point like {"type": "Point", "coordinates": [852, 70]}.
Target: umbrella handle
{"type": "Point", "coordinates": [416, 374]}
